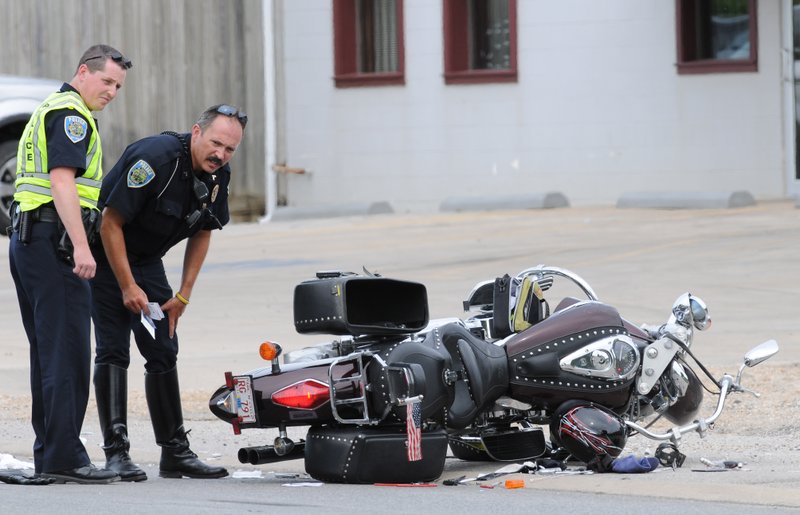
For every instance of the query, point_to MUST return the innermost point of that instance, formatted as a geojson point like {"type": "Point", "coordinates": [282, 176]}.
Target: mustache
{"type": "Point", "coordinates": [215, 160]}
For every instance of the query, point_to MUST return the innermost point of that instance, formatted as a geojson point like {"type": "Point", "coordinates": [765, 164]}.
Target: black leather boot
{"type": "Point", "coordinates": [111, 392]}
{"type": "Point", "coordinates": [164, 401]}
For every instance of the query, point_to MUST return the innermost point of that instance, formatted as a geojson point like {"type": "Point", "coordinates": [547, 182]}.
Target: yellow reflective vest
{"type": "Point", "coordinates": [33, 173]}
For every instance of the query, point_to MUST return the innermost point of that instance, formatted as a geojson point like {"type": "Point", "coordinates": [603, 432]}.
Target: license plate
{"type": "Point", "coordinates": [243, 394]}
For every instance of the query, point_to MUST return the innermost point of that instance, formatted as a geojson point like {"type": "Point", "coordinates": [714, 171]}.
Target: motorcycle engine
{"type": "Point", "coordinates": [679, 394]}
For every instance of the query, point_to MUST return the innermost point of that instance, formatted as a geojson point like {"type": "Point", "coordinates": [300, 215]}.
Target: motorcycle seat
{"type": "Point", "coordinates": [427, 378]}
{"type": "Point", "coordinates": [482, 369]}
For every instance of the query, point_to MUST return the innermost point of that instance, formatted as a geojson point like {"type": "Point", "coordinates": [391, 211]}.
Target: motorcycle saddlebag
{"type": "Point", "coordinates": [369, 455]}
{"type": "Point", "coordinates": [357, 305]}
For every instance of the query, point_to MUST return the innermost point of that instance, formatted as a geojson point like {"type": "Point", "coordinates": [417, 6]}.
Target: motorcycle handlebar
{"type": "Point", "coordinates": [727, 385]}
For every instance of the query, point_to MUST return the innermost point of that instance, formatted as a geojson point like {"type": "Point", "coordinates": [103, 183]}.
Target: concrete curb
{"type": "Point", "coordinates": [548, 200]}
{"type": "Point", "coordinates": [686, 199]}
{"type": "Point", "coordinates": [302, 213]}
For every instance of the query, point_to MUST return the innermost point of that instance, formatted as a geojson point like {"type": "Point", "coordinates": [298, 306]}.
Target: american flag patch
{"type": "Point", "coordinates": [414, 430]}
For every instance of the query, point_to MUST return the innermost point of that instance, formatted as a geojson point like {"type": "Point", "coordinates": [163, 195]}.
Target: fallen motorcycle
{"type": "Point", "coordinates": [386, 400]}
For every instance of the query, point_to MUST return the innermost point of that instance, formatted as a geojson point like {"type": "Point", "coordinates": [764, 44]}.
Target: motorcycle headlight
{"type": "Point", "coordinates": [700, 317]}
{"type": "Point", "coordinates": [690, 310]}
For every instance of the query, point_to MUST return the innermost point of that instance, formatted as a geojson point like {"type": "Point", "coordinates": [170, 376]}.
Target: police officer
{"type": "Point", "coordinates": [164, 189]}
{"type": "Point", "coordinates": [57, 187]}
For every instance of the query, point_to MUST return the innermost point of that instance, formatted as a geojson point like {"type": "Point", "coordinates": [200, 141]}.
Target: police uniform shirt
{"type": "Point", "coordinates": [68, 136]}
{"type": "Point", "coordinates": [152, 187]}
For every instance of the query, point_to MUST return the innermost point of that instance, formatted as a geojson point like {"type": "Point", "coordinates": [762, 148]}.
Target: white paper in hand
{"type": "Point", "coordinates": [148, 324]}
{"type": "Point", "coordinates": [155, 311]}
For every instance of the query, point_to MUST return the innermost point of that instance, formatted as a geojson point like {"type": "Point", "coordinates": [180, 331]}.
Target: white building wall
{"type": "Point", "coordinates": [598, 110]}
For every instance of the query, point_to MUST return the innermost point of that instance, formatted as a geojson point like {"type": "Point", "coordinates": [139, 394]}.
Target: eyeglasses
{"type": "Point", "coordinates": [118, 58]}
{"type": "Point", "coordinates": [232, 111]}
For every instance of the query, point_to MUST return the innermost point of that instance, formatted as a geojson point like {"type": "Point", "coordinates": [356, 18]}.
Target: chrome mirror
{"type": "Point", "coordinates": [761, 353]}
{"type": "Point", "coordinates": [756, 355]}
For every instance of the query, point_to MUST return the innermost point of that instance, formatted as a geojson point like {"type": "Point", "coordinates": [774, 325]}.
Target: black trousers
{"type": "Point", "coordinates": [55, 306]}
{"type": "Point", "coordinates": [113, 323]}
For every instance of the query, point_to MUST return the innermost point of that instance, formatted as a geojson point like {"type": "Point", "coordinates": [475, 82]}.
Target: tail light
{"type": "Point", "coordinates": [308, 394]}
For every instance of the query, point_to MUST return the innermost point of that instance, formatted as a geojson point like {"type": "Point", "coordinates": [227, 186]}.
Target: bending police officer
{"type": "Point", "coordinates": [164, 189]}
{"type": "Point", "coordinates": [59, 168]}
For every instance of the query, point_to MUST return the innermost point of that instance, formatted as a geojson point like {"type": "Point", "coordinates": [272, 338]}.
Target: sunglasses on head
{"type": "Point", "coordinates": [227, 110]}
{"type": "Point", "coordinates": [118, 58]}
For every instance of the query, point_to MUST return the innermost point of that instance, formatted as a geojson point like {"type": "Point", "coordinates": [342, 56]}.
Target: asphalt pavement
{"type": "Point", "coordinates": [742, 262]}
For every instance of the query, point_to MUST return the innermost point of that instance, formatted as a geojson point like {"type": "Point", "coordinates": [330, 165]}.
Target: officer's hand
{"type": "Point", "coordinates": [135, 299]}
{"type": "Point", "coordinates": [85, 266]}
{"type": "Point", "coordinates": [174, 309]}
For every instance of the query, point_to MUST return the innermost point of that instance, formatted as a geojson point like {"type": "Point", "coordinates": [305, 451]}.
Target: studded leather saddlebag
{"type": "Point", "coordinates": [368, 455]}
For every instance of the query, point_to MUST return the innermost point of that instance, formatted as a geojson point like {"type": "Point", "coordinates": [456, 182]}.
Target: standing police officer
{"type": "Point", "coordinates": [59, 168]}
{"type": "Point", "coordinates": [163, 189]}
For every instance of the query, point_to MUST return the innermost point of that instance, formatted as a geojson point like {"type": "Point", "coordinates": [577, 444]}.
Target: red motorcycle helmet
{"type": "Point", "coordinates": [591, 433]}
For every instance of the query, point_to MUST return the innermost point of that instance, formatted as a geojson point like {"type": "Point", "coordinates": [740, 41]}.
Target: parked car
{"type": "Point", "coordinates": [19, 96]}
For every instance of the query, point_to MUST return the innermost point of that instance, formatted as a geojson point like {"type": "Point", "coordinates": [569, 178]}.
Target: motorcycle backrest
{"type": "Point", "coordinates": [531, 307]}
{"type": "Point", "coordinates": [517, 305]}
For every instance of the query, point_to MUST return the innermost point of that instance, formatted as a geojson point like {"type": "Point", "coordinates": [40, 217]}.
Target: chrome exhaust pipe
{"type": "Point", "coordinates": [266, 454]}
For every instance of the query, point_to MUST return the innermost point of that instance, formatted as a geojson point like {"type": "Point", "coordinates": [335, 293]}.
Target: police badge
{"type": "Point", "coordinates": [140, 174]}
{"type": "Point", "coordinates": [75, 128]}
{"type": "Point", "coordinates": [214, 192]}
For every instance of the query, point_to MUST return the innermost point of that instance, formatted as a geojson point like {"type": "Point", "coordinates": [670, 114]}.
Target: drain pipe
{"type": "Point", "coordinates": [272, 27]}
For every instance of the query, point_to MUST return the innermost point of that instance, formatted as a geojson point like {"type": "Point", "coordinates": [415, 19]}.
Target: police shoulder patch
{"type": "Point", "coordinates": [75, 128]}
{"type": "Point", "coordinates": [140, 174]}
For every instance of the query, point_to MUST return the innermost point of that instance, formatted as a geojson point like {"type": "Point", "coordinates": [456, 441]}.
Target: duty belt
{"type": "Point", "coordinates": [44, 214]}
{"type": "Point", "coordinates": [22, 221]}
